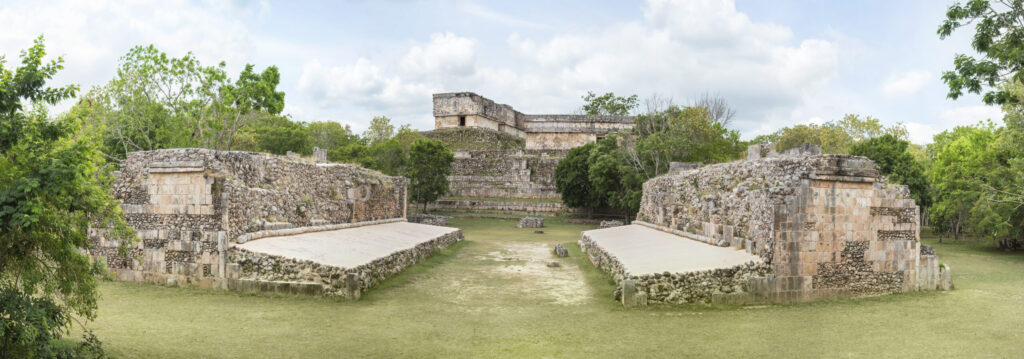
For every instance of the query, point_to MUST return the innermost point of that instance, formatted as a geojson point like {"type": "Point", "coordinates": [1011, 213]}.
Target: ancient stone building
{"type": "Point", "coordinates": [562, 132]}
{"type": "Point", "coordinates": [505, 160]}
{"type": "Point", "coordinates": [815, 226]}
{"type": "Point", "coordinates": [195, 209]}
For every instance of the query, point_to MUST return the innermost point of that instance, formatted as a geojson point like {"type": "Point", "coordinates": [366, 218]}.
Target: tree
{"type": "Point", "coordinates": [608, 104]}
{"type": "Point", "coordinates": [156, 101]}
{"type": "Point", "coordinates": [677, 134]}
{"type": "Point", "coordinates": [716, 107]}
{"type": "Point", "coordinates": [572, 180]}
{"type": "Point", "coordinates": [999, 37]}
{"type": "Point", "coordinates": [834, 136]}
{"type": "Point", "coordinates": [275, 134]}
{"type": "Point", "coordinates": [430, 164]}
{"type": "Point", "coordinates": [895, 161]}
{"type": "Point", "coordinates": [380, 130]}
{"type": "Point", "coordinates": [53, 187]}
{"type": "Point", "coordinates": [612, 178]}
{"type": "Point", "coordinates": [391, 155]}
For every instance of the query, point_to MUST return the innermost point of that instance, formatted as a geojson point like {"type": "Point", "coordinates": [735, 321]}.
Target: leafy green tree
{"type": "Point", "coordinates": [677, 134]}
{"type": "Point", "coordinates": [612, 178]}
{"type": "Point", "coordinates": [572, 180]}
{"type": "Point", "coordinates": [895, 161]}
{"type": "Point", "coordinates": [391, 155]}
{"type": "Point", "coordinates": [608, 104]}
{"type": "Point", "coordinates": [430, 163]}
{"type": "Point", "coordinates": [380, 130]}
{"type": "Point", "coordinates": [965, 160]}
{"type": "Point", "coordinates": [834, 136]}
{"type": "Point", "coordinates": [156, 101]}
{"type": "Point", "coordinates": [279, 134]}
{"type": "Point", "coordinates": [53, 186]}
{"type": "Point", "coordinates": [998, 37]}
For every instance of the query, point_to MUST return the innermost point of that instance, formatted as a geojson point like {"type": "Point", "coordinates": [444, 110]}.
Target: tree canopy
{"type": "Point", "coordinates": [429, 166]}
{"type": "Point", "coordinates": [998, 37]}
{"type": "Point", "coordinates": [53, 186]}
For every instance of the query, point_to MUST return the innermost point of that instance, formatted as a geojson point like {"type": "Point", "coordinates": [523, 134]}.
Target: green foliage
{"type": "Point", "coordinates": [275, 134]}
{"type": "Point", "coordinates": [53, 186]}
{"type": "Point", "coordinates": [680, 135]}
{"type": "Point", "coordinates": [973, 171]}
{"type": "Point", "coordinates": [999, 37]}
{"type": "Point", "coordinates": [612, 171]}
{"type": "Point", "coordinates": [895, 161]}
{"type": "Point", "coordinates": [835, 137]}
{"type": "Point", "coordinates": [390, 155]}
{"type": "Point", "coordinates": [572, 179]}
{"type": "Point", "coordinates": [380, 130]}
{"type": "Point", "coordinates": [476, 139]}
{"type": "Point", "coordinates": [156, 101]}
{"type": "Point", "coordinates": [430, 163]}
{"type": "Point", "coordinates": [608, 104]}
{"type": "Point", "coordinates": [28, 325]}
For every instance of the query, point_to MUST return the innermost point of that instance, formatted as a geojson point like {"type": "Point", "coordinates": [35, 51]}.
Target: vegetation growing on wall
{"type": "Point", "coordinates": [475, 139]}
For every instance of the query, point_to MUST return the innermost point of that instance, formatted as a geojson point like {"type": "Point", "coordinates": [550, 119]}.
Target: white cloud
{"type": "Point", "coordinates": [679, 49]}
{"type": "Point", "coordinates": [906, 84]}
{"type": "Point", "coordinates": [446, 55]}
{"type": "Point", "coordinates": [922, 133]}
{"type": "Point", "coordinates": [970, 115]}
{"type": "Point", "coordinates": [94, 34]}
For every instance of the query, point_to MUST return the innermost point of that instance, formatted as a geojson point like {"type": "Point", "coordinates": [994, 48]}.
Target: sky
{"type": "Point", "coordinates": [778, 63]}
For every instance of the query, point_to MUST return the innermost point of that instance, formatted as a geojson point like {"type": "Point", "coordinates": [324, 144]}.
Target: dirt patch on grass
{"type": "Point", "coordinates": [525, 269]}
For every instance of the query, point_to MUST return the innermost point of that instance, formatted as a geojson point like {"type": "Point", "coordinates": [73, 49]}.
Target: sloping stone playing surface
{"type": "Point", "coordinates": [642, 250]}
{"type": "Point", "coordinates": [350, 247]}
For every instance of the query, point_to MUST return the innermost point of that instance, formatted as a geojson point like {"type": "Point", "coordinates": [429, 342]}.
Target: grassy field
{"type": "Point", "coordinates": [493, 296]}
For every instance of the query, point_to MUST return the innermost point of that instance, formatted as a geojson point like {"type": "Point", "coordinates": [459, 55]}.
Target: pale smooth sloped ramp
{"type": "Point", "coordinates": [349, 247]}
{"type": "Point", "coordinates": [643, 250]}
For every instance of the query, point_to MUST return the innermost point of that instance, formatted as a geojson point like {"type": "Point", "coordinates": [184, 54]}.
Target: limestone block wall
{"type": "Point", "coordinates": [709, 286]}
{"type": "Point", "coordinates": [505, 174]}
{"type": "Point", "coordinates": [189, 205]}
{"type": "Point", "coordinates": [467, 109]}
{"type": "Point", "coordinates": [827, 225]}
{"type": "Point", "coordinates": [452, 105]}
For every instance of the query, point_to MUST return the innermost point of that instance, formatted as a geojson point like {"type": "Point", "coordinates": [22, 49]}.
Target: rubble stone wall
{"type": "Point", "coordinates": [675, 288]}
{"type": "Point", "coordinates": [827, 225]}
{"type": "Point", "coordinates": [467, 109]}
{"type": "Point", "coordinates": [256, 271]}
{"type": "Point", "coordinates": [189, 205]}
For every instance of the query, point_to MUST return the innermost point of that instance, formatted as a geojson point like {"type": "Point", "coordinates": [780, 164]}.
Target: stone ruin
{"type": "Point", "coordinates": [511, 164]}
{"type": "Point", "coordinates": [193, 209]}
{"type": "Point", "coordinates": [531, 222]}
{"type": "Point", "coordinates": [820, 226]}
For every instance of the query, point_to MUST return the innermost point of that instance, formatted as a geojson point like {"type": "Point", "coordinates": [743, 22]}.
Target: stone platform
{"type": "Point", "coordinates": [642, 251]}
{"type": "Point", "coordinates": [344, 262]}
{"type": "Point", "coordinates": [662, 267]}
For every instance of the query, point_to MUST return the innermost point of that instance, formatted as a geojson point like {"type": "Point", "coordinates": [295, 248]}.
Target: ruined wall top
{"type": "Point", "coordinates": [240, 192]}
{"type": "Point", "coordinates": [469, 103]}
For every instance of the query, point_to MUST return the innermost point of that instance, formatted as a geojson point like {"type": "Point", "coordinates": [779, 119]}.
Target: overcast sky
{"type": "Point", "coordinates": [779, 63]}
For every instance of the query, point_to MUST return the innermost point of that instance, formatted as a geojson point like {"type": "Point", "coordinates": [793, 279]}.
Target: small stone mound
{"type": "Point", "coordinates": [612, 223]}
{"type": "Point", "coordinates": [554, 264]}
{"type": "Point", "coordinates": [431, 219]}
{"type": "Point", "coordinates": [531, 222]}
{"type": "Point", "coordinates": [561, 251]}
{"type": "Point", "coordinates": [538, 232]}
{"type": "Point", "coordinates": [927, 250]}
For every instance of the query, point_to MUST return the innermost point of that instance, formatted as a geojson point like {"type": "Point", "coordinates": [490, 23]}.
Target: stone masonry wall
{"type": "Point", "coordinates": [256, 271]}
{"type": "Point", "coordinates": [189, 205]}
{"type": "Point", "coordinates": [827, 225]}
{"type": "Point", "coordinates": [675, 288]}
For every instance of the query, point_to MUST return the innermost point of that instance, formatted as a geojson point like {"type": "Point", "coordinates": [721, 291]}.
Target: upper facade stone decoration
{"type": "Point", "coordinates": [467, 109]}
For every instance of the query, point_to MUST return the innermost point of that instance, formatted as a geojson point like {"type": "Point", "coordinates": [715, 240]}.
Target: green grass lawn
{"type": "Point", "coordinates": [492, 296]}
